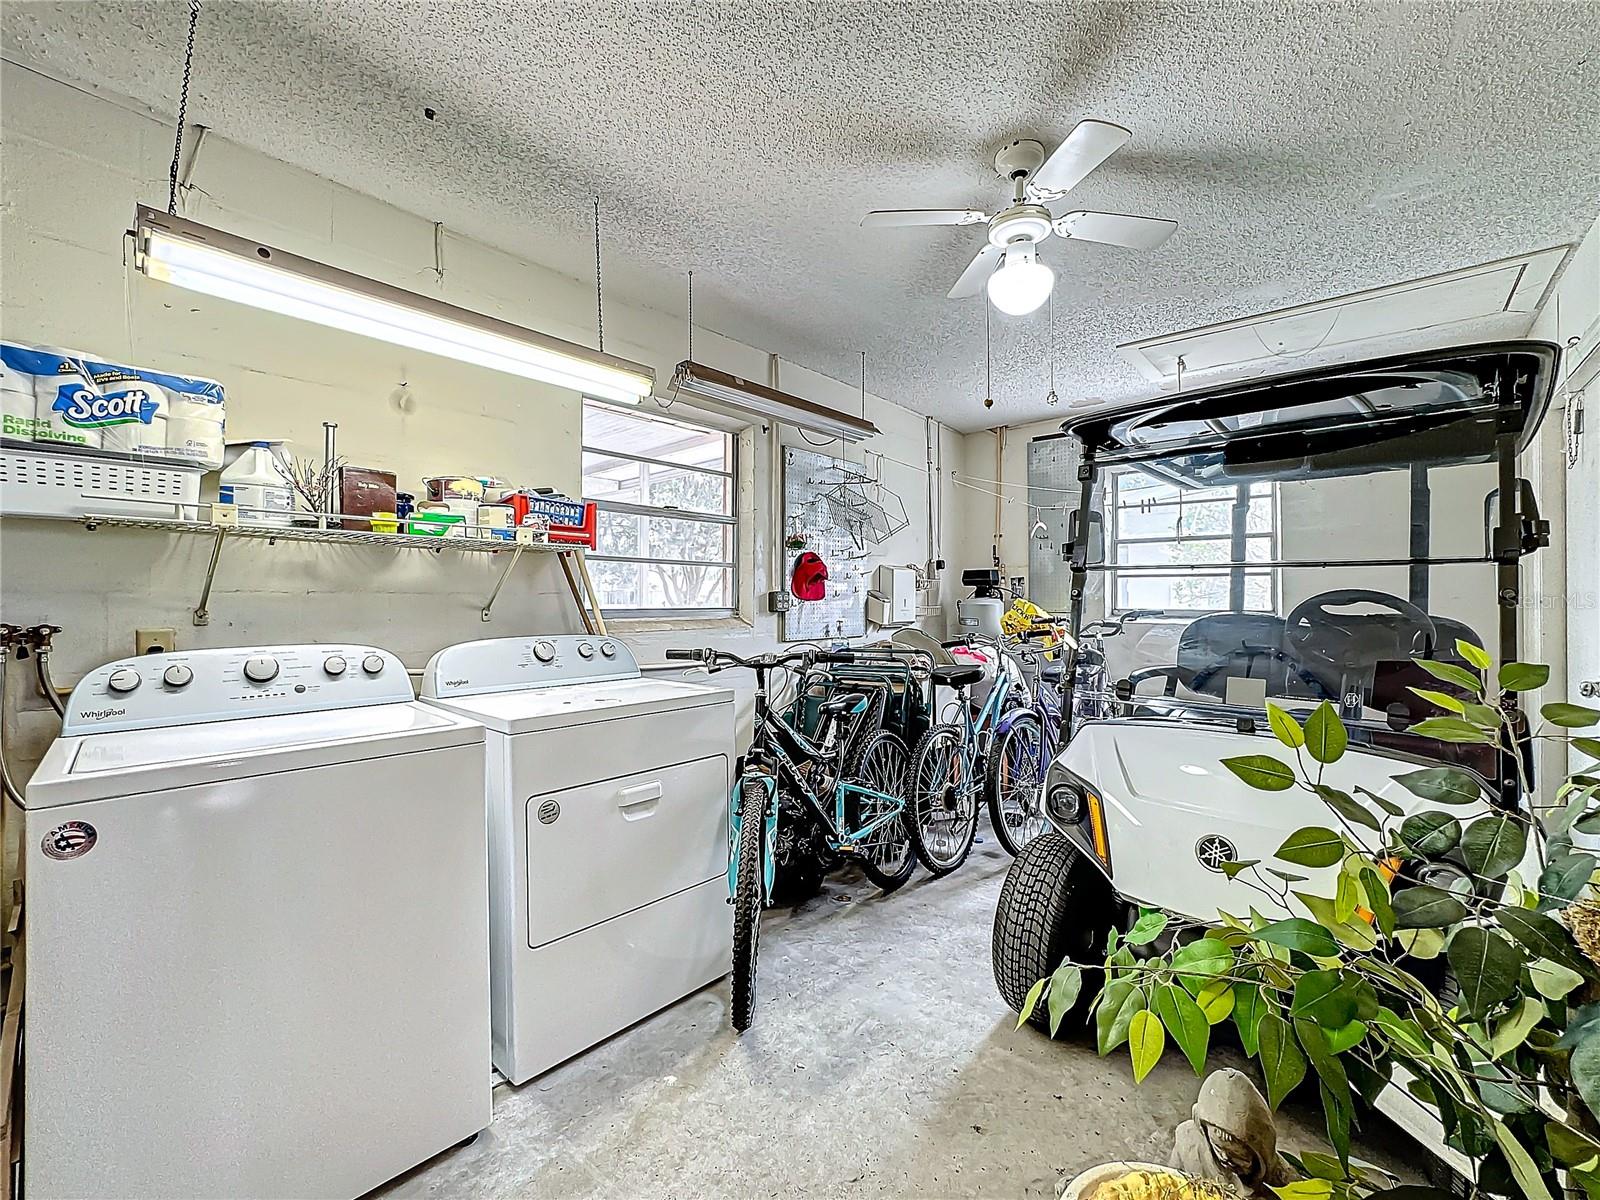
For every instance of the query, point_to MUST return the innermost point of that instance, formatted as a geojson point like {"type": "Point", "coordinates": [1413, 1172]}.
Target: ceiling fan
{"type": "Point", "coordinates": [1009, 265]}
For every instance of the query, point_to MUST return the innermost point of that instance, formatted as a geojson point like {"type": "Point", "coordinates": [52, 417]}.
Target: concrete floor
{"type": "Point", "coordinates": [881, 1063]}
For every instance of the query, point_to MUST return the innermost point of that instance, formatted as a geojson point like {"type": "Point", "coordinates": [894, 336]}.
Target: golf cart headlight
{"type": "Point", "coordinates": [1065, 801]}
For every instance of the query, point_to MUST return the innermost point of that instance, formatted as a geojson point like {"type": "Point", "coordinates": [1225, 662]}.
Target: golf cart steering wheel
{"type": "Point", "coordinates": [1311, 620]}
{"type": "Point", "coordinates": [1311, 683]}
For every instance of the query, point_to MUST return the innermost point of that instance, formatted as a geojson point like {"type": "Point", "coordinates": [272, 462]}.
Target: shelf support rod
{"type": "Point", "coordinates": [593, 596]}
{"type": "Point", "coordinates": [516, 553]}
{"type": "Point", "coordinates": [202, 611]}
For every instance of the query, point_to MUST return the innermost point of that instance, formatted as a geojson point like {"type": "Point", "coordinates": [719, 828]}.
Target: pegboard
{"type": "Point", "coordinates": [807, 478]}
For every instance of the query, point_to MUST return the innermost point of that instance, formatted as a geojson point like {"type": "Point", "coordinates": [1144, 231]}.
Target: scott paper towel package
{"type": "Point", "coordinates": [127, 410]}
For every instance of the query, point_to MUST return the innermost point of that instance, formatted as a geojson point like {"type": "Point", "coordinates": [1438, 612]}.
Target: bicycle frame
{"type": "Point", "coordinates": [984, 727]}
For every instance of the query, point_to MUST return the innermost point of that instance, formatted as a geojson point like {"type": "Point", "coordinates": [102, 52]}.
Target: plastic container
{"type": "Point", "coordinates": [384, 522]}
{"type": "Point", "coordinates": [256, 483]}
{"type": "Point", "coordinates": [426, 523]}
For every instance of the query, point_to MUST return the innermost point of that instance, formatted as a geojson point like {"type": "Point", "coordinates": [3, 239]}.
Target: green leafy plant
{"type": "Point", "coordinates": [1444, 958]}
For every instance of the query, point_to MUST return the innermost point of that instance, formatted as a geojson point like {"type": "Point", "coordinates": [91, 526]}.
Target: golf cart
{"type": "Point", "coordinates": [1304, 538]}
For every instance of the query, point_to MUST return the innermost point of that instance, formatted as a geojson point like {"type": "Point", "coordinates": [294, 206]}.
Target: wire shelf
{"type": "Point", "coordinates": [300, 533]}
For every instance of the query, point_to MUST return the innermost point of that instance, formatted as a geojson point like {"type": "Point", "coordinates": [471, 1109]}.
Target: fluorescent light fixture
{"type": "Point", "coordinates": [745, 398]}
{"type": "Point", "coordinates": [217, 263]}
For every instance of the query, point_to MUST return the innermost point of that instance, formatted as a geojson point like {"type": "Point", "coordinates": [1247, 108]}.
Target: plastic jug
{"type": "Point", "coordinates": [256, 483]}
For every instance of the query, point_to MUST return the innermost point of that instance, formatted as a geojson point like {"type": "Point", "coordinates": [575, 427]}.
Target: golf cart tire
{"type": "Point", "coordinates": [1053, 903]}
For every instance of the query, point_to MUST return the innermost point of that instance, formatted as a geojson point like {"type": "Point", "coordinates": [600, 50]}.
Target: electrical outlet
{"type": "Point", "coordinates": [155, 641]}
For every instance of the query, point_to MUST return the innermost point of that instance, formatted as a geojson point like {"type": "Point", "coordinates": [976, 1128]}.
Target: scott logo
{"type": "Point", "coordinates": [82, 409]}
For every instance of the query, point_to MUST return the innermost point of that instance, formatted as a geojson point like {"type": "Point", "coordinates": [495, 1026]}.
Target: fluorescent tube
{"type": "Point", "coordinates": [203, 259]}
{"type": "Point", "coordinates": [746, 398]}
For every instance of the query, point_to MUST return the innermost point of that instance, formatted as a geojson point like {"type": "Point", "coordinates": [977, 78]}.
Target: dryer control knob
{"type": "Point", "coordinates": [177, 676]}
{"type": "Point", "coordinates": [372, 664]}
{"type": "Point", "coordinates": [123, 680]}
{"type": "Point", "coordinates": [609, 649]}
{"type": "Point", "coordinates": [544, 651]}
{"type": "Point", "coordinates": [260, 670]}
{"type": "Point", "coordinates": [334, 665]}
{"type": "Point", "coordinates": [585, 650]}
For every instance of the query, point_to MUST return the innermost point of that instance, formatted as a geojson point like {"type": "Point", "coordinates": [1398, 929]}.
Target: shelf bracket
{"type": "Point", "coordinates": [516, 553]}
{"type": "Point", "coordinates": [202, 611]}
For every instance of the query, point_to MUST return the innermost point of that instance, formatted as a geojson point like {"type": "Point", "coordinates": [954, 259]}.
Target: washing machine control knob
{"type": "Point", "coordinates": [585, 650]}
{"type": "Point", "coordinates": [609, 649]}
{"type": "Point", "coordinates": [177, 676]}
{"type": "Point", "coordinates": [261, 670]}
{"type": "Point", "coordinates": [544, 651]}
{"type": "Point", "coordinates": [372, 664]}
{"type": "Point", "coordinates": [123, 680]}
{"type": "Point", "coordinates": [334, 665]}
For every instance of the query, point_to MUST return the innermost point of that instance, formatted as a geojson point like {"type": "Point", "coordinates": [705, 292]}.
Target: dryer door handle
{"type": "Point", "coordinates": [639, 801]}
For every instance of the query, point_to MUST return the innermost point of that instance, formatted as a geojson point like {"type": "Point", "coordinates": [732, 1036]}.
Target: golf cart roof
{"type": "Point", "coordinates": [1439, 407]}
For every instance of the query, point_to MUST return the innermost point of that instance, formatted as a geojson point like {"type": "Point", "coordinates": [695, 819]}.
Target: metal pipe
{"type": "Point", "coordinates": [41, 667]}
{"type": "Point", "coordinates": [1190, 568]}
{"type": "Point", "coordinates": [330, 439]}
{"type": "Point", "coordinates": [6, 785]}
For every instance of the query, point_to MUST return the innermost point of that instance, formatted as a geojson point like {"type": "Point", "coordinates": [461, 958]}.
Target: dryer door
{"type": "Point", "coordinates": [603, 849]}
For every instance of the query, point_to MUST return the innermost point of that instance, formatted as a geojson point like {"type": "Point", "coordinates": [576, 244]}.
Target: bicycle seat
{"type": "Point", "coordinates": [957, 676]}
{"type": "Point", "coordinates": [848, 702]}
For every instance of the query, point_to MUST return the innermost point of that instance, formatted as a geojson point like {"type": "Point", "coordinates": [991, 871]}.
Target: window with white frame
{"type": "Point", "coordinates": [666, 492]}
{"type": "Point", "coordinates": [1165, 532]}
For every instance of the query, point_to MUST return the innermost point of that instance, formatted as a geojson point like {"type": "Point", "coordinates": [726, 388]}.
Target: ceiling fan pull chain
{"type": "Point", "coordinates": [691, 316]}
{"type": "Point", "coordinates": [183, 109]}
{"type": "Point", "coordinates": [599, 288]}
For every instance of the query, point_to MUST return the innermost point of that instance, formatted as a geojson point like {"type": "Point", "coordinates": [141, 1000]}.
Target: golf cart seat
{"type": "Point", "coordinates": [959, 675]}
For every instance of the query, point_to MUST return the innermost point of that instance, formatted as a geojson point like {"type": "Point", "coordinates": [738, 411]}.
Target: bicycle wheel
{"type": "Point", "coordinates": [885, 853]}
{"type": "Point", "coordinates": [942, 801]}
{"type": "Point", "coordinates": [1016, 777]}
{"type": "Point", "coordinates": [747, 896]}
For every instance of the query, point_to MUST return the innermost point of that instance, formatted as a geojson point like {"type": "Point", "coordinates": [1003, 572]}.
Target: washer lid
{"type": "Point", "coordinates": [526, 710]}
{"type": "Point", "coordinates": [128, 762]}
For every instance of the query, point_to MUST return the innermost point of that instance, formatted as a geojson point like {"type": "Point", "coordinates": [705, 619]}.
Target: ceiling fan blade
{"type": "Point", "coordinates": [977, 273]}
{"type": "Point", "coordinates": [923, 216]}
{"type": "Point", "coordinates": [1088, 145]}
{"type": "Point", "coordinates": [1116, 229]}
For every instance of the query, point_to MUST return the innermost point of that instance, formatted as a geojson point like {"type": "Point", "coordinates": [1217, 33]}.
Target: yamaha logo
{"type": "Point", "coordinates": [1213, 850]}
{"type": "Point", "coordinates": [73, 839]}
{"type": "Point", "coordinates": [548, 812]}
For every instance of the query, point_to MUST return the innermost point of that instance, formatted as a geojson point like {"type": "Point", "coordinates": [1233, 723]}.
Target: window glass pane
{"type": "Point", "coordinates": [606, 427]}
{"type": "Point", "coordinates": [608, 477]}
{"type": "Point", "coordinates": [1209, 519]}
{"type": "Point", "coordinates": [661, 585]}
{"type": "Point", "coordinates": [1259, 519]}
{"type": "Point", "coordinates": [1213, 550]}
{"type": "Point", "coordinates": [628, 536]}
{"type": "Point", "coordinates": [1148, 521]}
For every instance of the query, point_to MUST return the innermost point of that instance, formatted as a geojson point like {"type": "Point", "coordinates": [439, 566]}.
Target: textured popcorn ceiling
{"type": "Point", "coordinates": [1306, 151]}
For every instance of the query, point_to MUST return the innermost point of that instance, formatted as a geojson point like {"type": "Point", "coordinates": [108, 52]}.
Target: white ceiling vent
{"type": "Point", "coordinates": [1508, 286]}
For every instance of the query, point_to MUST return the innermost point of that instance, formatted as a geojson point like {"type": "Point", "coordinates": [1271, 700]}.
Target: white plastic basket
{"type": "Point", "coordinates": [44, 481]}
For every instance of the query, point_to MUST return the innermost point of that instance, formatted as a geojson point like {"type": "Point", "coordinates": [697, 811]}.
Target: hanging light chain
{"type": "Point", "coordinates": [183, 109]}
{"type": "Point", "coordinates": [599, 286]}
{"type": "Point", "coordinates": [863, 385]}
{"type": "Point", "coordinates": [691, 316]}
{"type": "Point", "coordinates": [1051, 398]}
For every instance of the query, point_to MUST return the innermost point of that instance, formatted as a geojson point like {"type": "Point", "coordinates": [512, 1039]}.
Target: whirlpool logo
{"type": "Point", "coordinates": [101, 714]}
{"type": "Point", "coordinates": [82, 409]}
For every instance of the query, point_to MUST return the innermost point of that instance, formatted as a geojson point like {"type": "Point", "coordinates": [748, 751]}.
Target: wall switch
{"type": "Point", "coordinates": [155, 641]}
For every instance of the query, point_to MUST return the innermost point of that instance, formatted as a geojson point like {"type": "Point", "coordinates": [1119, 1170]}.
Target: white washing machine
{"type": "Point", "coordinates": [256, 911]}
{"type": "Point", "coordinates": [608, 837]}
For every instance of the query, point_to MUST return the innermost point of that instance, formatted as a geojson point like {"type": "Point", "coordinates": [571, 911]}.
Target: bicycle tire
{"type": "Point", "coordinates": [930, 800]}
{"type": "Point", "coordinates": [1002, 810]}
{"type": "Point", "coordinates": [747, 901]}
{"type": "Point", "coordinates": [882, 766]}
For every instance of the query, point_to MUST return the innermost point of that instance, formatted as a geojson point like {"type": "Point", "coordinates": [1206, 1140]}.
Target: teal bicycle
{"type": "Point", "coordinates": [847, 777]}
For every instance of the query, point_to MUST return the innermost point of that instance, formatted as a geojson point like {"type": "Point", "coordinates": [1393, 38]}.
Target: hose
{"type": "Point", "coordinates": [5, 772]}
{"type": "Point", "coordinates": [41, 667]}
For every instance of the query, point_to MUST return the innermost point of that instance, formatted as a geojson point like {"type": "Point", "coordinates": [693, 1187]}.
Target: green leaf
{"type": "Point", "coordinates": [1199, 961]}
{"type": "Point", "coordinates": [1146, 1040]}
{"type": "Point", "coordinates": [1523, 677]}
{"type": "Point", "coordinates": [1404, 1032]}
{"type": "Point", "coordinates": [1306, 1189]}
{"type": "Point", "coordinates": [1326, 738]}
{"type": "Point", "coordinates": [1232, 869]}
{"type": "Point", "coordinates": [1065, 985]}
{"type": "Point", "coordinates": [1031, 1001]}
{"type": "Point", "coordinates": [1185, 1022]}
{"type": "Point", "coordinates": [1493, 845]}
{"type": "Point", "coordinates": [1297, 933]}
{"type": "Point", "coordinates": [1424, 906]}
{"type": "Point", "coordinates": [1337, 1111]}
{"type": "Point", "coordinates": [1346, 1036]}
{"type": "Point", "coordinates": [1451, 673]}
{"type": "Point", "coordinates": [1523, 1168]}
{"type": "Point", "coordinates": [1443, 700]}
{"type": "Point", "coordinates": [1482, 716]}
{"type": "Point", "coordinates": [1552, 980]}
{"type": "Point", "coordinates": [1348, 807]}
{"type": "Point", "coordinates": [1544, 937]}
{"type": "Point", "coordinates": [1570, 1145]}
{"type": "Point", "coordinates": [1512, 1030]}
{"type": "Point", "coordinates": [1589, 746]}
{"type": "Point", "coordinates": [1388, 806]}
{"type": "Point", "coordinates": [1282, 1062]}
{"type": "Point", "coordinates": [1216, 1000]}
{"type": "Point", "coordinates": [1451, 729]}
{"type": "Point", "coordinates": [1262, 772]}
{"type": "Point", "coordinates": [1476, 655]}
{"type": "Point", "coordinates": [1287, 876]}
{"type": "Point", "coordinates": [1286, 728]}
{"type": "Point", "coordinates": [1442, 785]}
{"type": "Point", "coordinates": [1432, 834]}
{"type": "Point", "coordinates": [1324, 997]}
{"type": "Point", "coordinates": [1313, 846]}
{"type": "Point", "coordinates": [1357, 935]}
{"type": "Point", "coordinates": [1421, 943]}
{"type": "Point", "coordinates": [1147, 928]}
{"type": "Point", "coordinates": [1377, 896]}
{"type": "Point", "coordinates": [1486, 967]}
{"type": "Point", "coordinates": [1249, 1006]}
{"type": "Point", "coordinates": [1333, 1084]}
{"type": "Point", "coordinates": [1570, 716]}
{"type": "Point", "coordinates": [1118, 1004]}
{"type": "Point", "coordinates": [1566, 876]}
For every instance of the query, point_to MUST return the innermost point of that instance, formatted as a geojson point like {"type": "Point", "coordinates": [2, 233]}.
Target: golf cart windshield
{"type": "Point", "coordinates": [1311, 537]}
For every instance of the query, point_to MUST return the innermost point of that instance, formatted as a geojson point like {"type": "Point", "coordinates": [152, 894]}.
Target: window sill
{"type": "Point", "coordinates": [626, 625]}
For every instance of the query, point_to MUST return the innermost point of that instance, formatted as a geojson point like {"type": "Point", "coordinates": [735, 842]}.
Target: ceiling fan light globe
{"type": "Point", "coordinates": [1019, 287]}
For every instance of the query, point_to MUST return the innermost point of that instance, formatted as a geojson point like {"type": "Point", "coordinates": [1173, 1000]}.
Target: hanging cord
{"type": "Point", "coordinates": [691, 316]}
{"type": "Point", "coordinates": [1181, 365]}
{"type": "Point", "coordinates": [988, 381]}
{"type": "Point", "coordinates": [183, 109]}
{"type": "Point", "coordinates": [599, 288]}
{"type": "Point", "coordinates": [1051, 398]}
